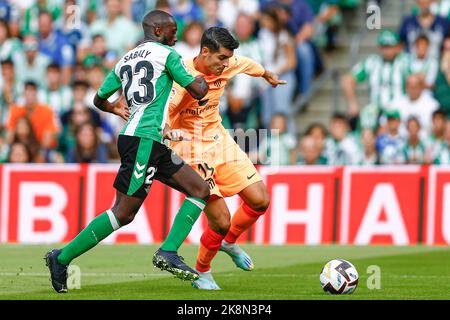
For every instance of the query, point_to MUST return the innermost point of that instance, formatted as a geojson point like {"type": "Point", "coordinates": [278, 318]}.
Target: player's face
{"type": "Point", "coordinates": [169, 34]}
{"type": "Point", "coordinates": [217, 61]}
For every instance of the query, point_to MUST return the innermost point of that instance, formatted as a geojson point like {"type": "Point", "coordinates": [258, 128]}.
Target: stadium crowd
{"type": "Point", "coordinates": [54, 55]}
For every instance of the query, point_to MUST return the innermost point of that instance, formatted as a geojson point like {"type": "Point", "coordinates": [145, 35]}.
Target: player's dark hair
{"type": "Point", "coordinates": [215, 37]}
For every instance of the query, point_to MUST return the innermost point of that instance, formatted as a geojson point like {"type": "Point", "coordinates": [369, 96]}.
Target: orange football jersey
{"type": "Point", "coordinates": [201, 119]}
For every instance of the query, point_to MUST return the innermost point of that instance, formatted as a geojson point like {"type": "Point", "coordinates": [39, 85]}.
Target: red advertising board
{"type": "Point", "coordinates": [301, 210]}
{"type": "Point", "coordinates": [380, 205]}
{"type": "Point", "coordinates": [437, 222]}
{"type": "Point", "coordinates": [148, 224]}
{"type": "Point", "coordinates": [39, 204]}
{"type": "Point", "coordinates": [398, 205]}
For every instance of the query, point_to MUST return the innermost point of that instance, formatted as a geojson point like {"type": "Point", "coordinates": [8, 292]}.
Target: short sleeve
{"type": "Point", "coordinates": [110, 85]}
{"type": "Point", "coordinates": [178, 70]}
{"type": "Point", "coordinates": [248, 66]}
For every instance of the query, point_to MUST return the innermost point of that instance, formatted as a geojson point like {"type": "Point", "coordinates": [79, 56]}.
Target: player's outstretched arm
{"type": "Point", "coordinates": [272, 79]}
{"type": "Point", "coordinates": [119, 107]}
{"type": "Point", "coordinates": [197, 88]}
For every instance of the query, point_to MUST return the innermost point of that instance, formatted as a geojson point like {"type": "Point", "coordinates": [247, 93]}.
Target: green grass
{"type": "Point", "coordinates": [282, 272]}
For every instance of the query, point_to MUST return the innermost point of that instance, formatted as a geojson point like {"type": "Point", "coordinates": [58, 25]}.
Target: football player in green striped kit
{"type": "Point", "coordinates": [145, 74]}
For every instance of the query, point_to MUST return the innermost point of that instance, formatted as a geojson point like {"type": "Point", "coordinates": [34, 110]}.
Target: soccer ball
{"type": "Point", "coordinates": [339, 277]}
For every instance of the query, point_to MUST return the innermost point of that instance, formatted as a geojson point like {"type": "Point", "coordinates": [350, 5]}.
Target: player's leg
{"type": "Point", "coordinates": [176, 174]}
{"type": "Point", "coordinates": [256, 201]}
{"type": "Point", "coordinates": [218, 224]}
{"type": "Point", "coordinates": [121, 214]}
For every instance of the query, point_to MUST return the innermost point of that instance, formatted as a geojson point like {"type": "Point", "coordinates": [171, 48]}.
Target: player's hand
{"type": "Point", "coordinates": [272, 78]}
{"type": "Point", "coordinates": [120, 108]}
{"type": "Point", "coordinates": [175, 135]}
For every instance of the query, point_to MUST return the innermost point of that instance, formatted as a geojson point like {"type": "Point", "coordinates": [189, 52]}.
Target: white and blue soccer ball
{"type": "Point", "coordinates": [339, 277]}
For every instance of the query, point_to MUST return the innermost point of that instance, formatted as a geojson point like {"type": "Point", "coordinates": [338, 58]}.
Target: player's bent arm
{"type": "Point", "coordinates": [197, 88]}
{"type": "Point", "coordinates": [119, 107]}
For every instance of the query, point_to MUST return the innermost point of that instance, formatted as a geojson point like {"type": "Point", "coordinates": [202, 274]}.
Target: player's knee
{"type": "Point", "coordinates": [125, 217]}
{"type": "Point", "coordinates": [261, 204]}
{"type": "Point", "coordinates": [221, 225]}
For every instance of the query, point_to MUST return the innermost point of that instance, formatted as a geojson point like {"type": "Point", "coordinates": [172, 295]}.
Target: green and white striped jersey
{"type": "Point", "coordinates": [146, 75]}
{"type": "Point", "coordinates": [428, 67]}
{"type": "Point", "coordinates": [386, 79]}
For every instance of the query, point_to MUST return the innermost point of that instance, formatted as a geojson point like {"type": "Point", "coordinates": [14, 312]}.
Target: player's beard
{"type": "Point", "coordinates": [168, 42]}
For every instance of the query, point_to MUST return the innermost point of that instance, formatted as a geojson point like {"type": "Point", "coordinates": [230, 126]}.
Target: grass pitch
{"type": "Point", "coordinates": [281, 272]}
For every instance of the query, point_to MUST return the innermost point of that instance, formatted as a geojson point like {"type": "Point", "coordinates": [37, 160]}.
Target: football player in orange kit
{"type": "Point", "coordinates": [200, 139]}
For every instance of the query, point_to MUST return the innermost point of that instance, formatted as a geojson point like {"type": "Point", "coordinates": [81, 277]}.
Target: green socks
{"type": "Point", "coordinates": [187, 215]}
{"type": "Point", "coordinates": [99, 228]}
{"type": "Point", "coordinates": [106, 223]}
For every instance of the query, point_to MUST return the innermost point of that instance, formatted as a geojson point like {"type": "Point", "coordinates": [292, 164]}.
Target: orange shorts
{"type": "Point", "coordinates": [227, 169]}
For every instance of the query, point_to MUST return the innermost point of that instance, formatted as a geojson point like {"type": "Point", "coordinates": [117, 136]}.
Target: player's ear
{"type": "Point", "coordinates": [158, 31]}
{"type": "Point", "coordinates": [204, 51]}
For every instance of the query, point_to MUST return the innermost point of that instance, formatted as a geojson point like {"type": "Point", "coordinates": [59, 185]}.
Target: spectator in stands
{"type": "Point", "coordinates": [120, 32]}
{"type": "Point", "coordinates": [319, 133]}
{"type": "Point", "coordinates": [436, 140]}
{"type": "Point", "coordinates": [211, 14]}
{"type": "Point", "coordinates": [99, 54]}
{"type": "Point", "coordinates": [418, 103]}
{"type": "Point", "coordinates": [88, 148]}
{"type": "Point", "coordinates": [41, 116]}
{"type": "Point", "coordinates": [278, 56]}
{"type": "Point", "coordinates": [23, 133]}
{"type": "Point", "coordinates": [54, 93]}
{"type": "Point", "coordinates": [31, 16]}
{"type": "Point", "coordinates": [384, 73]}
{"type": "Point", "coordinates": [300, 21]}
{"type": "Point", "coordinates": [9, 47]}
{"type": "Point", "coordinates": [74, 118]}
{"type": "Point", "coordinates": [19, 152]}
{"type": "Point", "coordinates": [435, 27]}
{"type": "Point", "coordinates": [442, 85]}
{"type": "Point", "coordinates": [326, 22]}
{"type": "Point", "coordinates": [414, 151]}
{"type": "Point", "coordinates": [229, 10]}
{"type": "Point", "coordinates": [341, 148]}
{"type": "Point", "coordinates": [185, 12]}
{"type": "Point", "coordinates": [10, 89]}
{"type": "Point", "coordinates": [390, 144]}
{"type": "Point", "coordinates": [422, 63]}
{"type": "Point", "coordinates": [32, 64]}
{"type": "Point", "coordinates": [309, 152]}
{"type": "Point", "coordinates": [278, 149]}
{"type": "Point", "coordinates": [243, 92]}
{"type": "Point", "coordinates": [443, 157]}
{"type": "Point", "coordinates": [189, 47]}
{"type": "Point", "coordinates": [10, 13]}
{"type": "Point", "coordinates": [56, 46]}
{"type": "Point", "coordinates": [369, 153]}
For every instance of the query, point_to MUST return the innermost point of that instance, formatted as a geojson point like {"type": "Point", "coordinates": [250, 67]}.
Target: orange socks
{"type": "Point", "coordinates": [243, 219]}
{"type": "Point", "coordinates": [209, 246]}
{"type": "Point", "coordinates": [211, 240]}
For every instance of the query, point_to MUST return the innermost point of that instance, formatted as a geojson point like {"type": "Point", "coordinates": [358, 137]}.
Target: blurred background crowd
{"type": "Point", "coordinates": [54, 55]}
